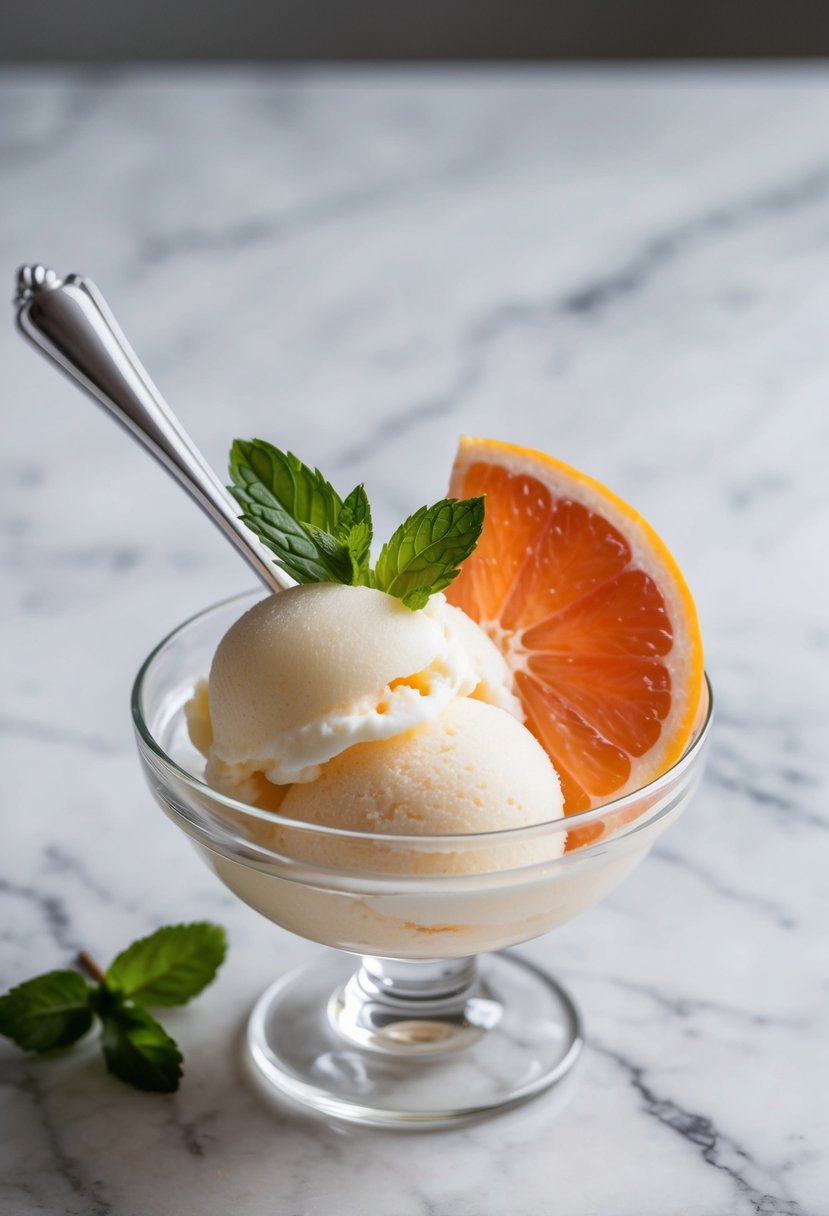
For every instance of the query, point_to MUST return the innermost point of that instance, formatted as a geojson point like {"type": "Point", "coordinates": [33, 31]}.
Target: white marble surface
{"type": "Point", "coordinates": [627, 268]}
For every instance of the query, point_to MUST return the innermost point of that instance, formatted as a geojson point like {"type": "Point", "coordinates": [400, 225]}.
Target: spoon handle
{"type": "Point", "coordinates": [69, 320]}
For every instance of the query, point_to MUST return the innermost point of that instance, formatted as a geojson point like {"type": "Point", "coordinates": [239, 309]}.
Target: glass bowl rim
{"type": "Point", "coordinates": [443, 841]}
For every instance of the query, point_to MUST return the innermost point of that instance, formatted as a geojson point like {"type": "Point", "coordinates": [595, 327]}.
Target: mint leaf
{"type": "Point", "coordinates": [425, 552]}
{"type": "Point", "coordinates": [358, 543]}
{"type": "Point", "coordinates": [170, 966]}
{"type": "Point", "coordinates": [418, 597]}
{"type": "Point", "coordinates": [291, 508]}
{"type": "Point", "coordinates": [52, 1010]}
{"type": "Point", "coordinates": [332, 553]}
{"type": "Point", "coordinates": [355, 530]}
{"type": "Point", "coordinates": [355, 510]}
{"type": "Point", "coordinates": [301, 491]}
{"type": "Point", "coordinates": [138, 1050]}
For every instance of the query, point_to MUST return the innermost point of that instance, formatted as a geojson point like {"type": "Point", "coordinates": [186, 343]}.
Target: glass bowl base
{"type": "Point", "coordinates": [298, 1051]}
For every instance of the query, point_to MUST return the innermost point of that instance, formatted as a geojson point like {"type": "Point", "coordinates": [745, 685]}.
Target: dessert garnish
{"type": "Point", "coordinates": [568, 613]}
{"type": "Point", "coordinates": [319, 537]}
{"type": "Point", "coordinates": [169, 967]}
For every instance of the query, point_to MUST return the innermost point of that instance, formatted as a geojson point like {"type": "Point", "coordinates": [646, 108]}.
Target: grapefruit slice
{"type": "Point", "coordinates": [592, 614]}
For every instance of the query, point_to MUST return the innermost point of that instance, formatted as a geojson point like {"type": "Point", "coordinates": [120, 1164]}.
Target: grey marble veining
{"type": "Point", "coordinates": [627, 268]}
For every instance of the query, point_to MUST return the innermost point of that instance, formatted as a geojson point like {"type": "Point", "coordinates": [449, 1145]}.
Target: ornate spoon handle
{"type": "Point", "coordinates": [69, 320]}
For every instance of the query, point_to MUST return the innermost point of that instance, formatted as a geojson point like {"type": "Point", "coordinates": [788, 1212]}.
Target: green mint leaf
{"type": "Point", "coordinates": [170, 966]}
{"type": "Point", "coordinates": [302, 492]}
{"type": "Point", "coordinates": [332, 553]}
{"type": "Point", "coordinates": [52, 1010]}
{"type": "Point", "coordinates": [425, 552]}
{"type": "Point", "coordinates": [291, 508]}
{"type": "Point", "coordinates": [355, 530]}
{"type": "Point", "coordinates": [358, 543]}
{"type": "Point", "coordinates": [138, 1050]}
{"type": "Point", "coordinates": [355, 510]}
{"type": "Point", "coordinates": [417, 598]}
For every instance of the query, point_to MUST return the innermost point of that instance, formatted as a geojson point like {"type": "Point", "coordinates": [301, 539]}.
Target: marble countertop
{"type": "Point", "coordinates": [627, 268]}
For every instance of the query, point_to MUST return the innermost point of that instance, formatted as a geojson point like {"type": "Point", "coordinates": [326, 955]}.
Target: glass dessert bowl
{"type": "Point", "coordinates": [433, 1026]}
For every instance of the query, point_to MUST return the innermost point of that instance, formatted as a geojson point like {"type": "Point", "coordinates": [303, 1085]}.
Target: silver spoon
{"type": "Point", "coordinates": [69, 321]}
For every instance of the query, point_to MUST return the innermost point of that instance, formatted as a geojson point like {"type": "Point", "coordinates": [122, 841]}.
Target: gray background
{"type": "Point", "coordinates": [285, 30]}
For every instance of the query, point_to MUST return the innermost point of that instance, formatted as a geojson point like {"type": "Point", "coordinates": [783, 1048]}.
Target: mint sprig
{"type": "Point", "coordinates": [319, 537]}
{"type": "Point", "coordinates": [169, 967]}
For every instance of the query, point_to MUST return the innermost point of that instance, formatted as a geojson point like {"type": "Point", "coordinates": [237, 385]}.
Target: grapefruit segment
{"type": "Point", "coordinates": [625, 704]}
{"type": "Point", "coordinates": [575, 552]}
{"type": "Point", "coordinates": [592, 614]}
{"type": "Point", "coordinates": [523, 510]}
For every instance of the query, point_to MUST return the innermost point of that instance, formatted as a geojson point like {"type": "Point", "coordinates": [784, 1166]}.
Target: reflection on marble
{"type": "Point", "coordinates": [628, 268]}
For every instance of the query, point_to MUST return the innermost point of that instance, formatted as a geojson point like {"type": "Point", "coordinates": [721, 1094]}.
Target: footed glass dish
{"type": "Point", "coordinates": [432, 1023]}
